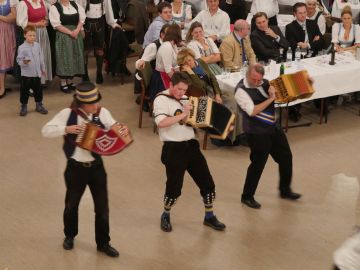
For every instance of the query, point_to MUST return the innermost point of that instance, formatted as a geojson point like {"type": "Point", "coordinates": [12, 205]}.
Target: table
{"type": "Point", "coordinates": [338, 5]}
{"type": "Point", "coordinates": [283, 20]}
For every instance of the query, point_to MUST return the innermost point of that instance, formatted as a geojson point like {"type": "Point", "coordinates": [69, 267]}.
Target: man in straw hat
{"type": "Point", "coordinates": [84, 167]}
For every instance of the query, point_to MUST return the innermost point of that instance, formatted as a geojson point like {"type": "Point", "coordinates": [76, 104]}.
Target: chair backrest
{"type": "Point", "coordinates": [146, 74]}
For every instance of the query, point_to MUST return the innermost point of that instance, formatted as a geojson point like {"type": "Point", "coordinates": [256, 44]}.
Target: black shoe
{"type": "Point", "coordinates": [290, 195]}
{"type": "Point", "coordinates": [108, 250]}
{"type": "Point", "coordinates": [40, 108]}
{"type": "Point", "coordinates": [251, 203]}
{"type": "Point", "coordinates": [214, 223]}
{"type": "Point", "coordinates": [68, 243]}
{"type": "Point", "coordinates": [65, 89]}
{"type": "Point", "coordinates": [23, 110]}
{"type": "Point", "coordinates": [71, 86]}
{"type": "Point", "coordinates": [165, 224]}
{"type": "Point", "coordinates": [99, 78]}
{"type": "Point", "coordinates": [125, 71]}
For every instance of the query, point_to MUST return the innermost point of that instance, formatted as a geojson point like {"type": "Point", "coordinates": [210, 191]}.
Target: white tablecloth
{"type": "Point", "coordinates": [341, 78]}
{"type": "Point", "coordinates": [338, 6]}
{"type": "Point", "coordinates": [282, 19]}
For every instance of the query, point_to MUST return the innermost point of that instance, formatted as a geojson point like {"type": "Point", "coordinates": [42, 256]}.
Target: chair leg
{"type": "Point", "coordinates": [142, 97]}
{"type": "Point", "coordinates": [205, 140]}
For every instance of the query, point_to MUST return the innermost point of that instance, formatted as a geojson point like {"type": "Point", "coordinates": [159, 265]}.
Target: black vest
{"type": "Point", "coordinates": [69, 139]}
{"type": "Point", "coordinates": [66, 19]}
{"type": "Point", "coordinates": [263, 122]}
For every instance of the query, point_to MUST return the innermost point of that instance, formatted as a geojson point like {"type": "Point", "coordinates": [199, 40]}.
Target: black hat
{"type": "Point", "coordinates": [87, 93]}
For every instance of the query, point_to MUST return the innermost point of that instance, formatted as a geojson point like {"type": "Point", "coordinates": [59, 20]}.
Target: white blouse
{"type": "Point", "coordinates": [188, 13]}
{"type": "Point", "coordinates": [94, 11]}
{"type": "Point", "coordinates": [54, 15]}
{"type": "Point", "coordinates": [22, 12]}
{"type": "Point", "coordinates": [321, 22]}
{"type": "Point", "coordinates": [166, 57]}
{"type": "Point", "coordinates": [338, 32]}
{"type": "Point", "coordinates": [199, 49]}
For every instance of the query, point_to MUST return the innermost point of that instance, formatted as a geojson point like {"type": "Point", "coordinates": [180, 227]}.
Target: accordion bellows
{"type": "Point", "coordinates": [211, 116]}
{"type": "Point", "coordinates": [102, 142]}
{"type": "Point", "coordinates": [290, 87]}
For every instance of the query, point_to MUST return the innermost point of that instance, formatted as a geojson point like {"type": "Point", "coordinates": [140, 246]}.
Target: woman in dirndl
{"type": "Point", "coordinates": [7, 35]}
{"type": "Point", "coordinates": [34, 13]}
{"type": "Point", "coordinates": [67, 17]}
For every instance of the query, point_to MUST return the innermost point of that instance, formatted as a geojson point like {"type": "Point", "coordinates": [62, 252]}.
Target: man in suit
{"type": "Point", "coordinates": [236, 47]}
{"type": "Point", "coordinates": [303, 33]}
{"type": "Point", "coordinates": [306, 35]}
{"type": "Point", "coordinates": [267, 40]}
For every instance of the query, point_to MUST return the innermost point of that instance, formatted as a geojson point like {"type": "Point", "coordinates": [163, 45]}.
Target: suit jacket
{"type": "Point", "coordinates": [294, 34]}
{"type": "Point", "coordinates": [266, 47]}
{"type": "Point", "coordinates": [231, 51]}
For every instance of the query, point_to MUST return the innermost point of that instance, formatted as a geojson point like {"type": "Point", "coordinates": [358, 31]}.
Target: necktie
{"type": "Point", "coordinates": [243, 59]}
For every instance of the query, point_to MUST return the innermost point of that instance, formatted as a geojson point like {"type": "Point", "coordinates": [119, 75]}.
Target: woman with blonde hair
{"type": "Point", "coordinates": [203, 47]}
{"type": "Point", "coordinates": [346, 35]}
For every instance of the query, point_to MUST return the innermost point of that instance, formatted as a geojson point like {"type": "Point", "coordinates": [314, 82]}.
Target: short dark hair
{"type": "Point", "coordinates": [180, 76]}
{"type": "Point", "coordinates": [173, 33]}
{"type": "Point", "coordinates": [163, 5]}
{"type": "Point", "coordinates": [298, 5]}
{"type": "Point", "coordinates": [260, 14]}
{"type": "Point", "coordinates": [29, 28]}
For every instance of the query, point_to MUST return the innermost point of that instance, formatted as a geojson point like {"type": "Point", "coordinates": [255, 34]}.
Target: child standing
{"type": "Point", "coordinates": [31, 60]}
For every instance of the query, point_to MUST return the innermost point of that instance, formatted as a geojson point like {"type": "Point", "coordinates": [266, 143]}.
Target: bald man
{"type": "Point", "coordinates": [236, 47]}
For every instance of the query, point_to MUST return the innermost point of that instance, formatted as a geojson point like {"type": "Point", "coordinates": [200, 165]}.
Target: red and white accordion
{"type": "Point", "coordinates": [103, 142]}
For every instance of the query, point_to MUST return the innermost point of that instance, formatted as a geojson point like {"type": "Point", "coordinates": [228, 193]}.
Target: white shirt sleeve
{"type": "Point", "coordinates": [166, 56]}
{"type": "Point", "coordinates": [194, 46]}
{"type": "Point", "coordinates": [22, 14]}
{"type": "Point", "coordinates": [322, 24]}
{"type": "Point", "coordinates": [357, 33]}
{"type": "Point", "coordinates": [188, 13]}
{"type": "Point", "coordinates": [56, 126]}
{"type": "Point", "coordinates": [106, 118]}
{"type": "Point", "coordinates": [14, 3]}
{"type": "Point", "coordinates": [213, 46]}
{"type": "Point", "coordinates": [82, 15]}
{"type": "Point", "coordinates": [109, 14]}
{"type": "Point", "coordinates": [225, 26]}
{"type": "Point", "coordinates": [54, 17]}
{"type": "Point", "coordinates": [244, 101]}
{"type": "Point", "coordinates": [161, 108]}
{"type": "Point", "coordinates": [149, 52]}
{"type": "Point", "coordinates": [335, 33]}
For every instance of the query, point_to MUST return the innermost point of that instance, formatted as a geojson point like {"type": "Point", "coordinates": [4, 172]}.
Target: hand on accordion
{"type": "Point", "coordinates": [74, 129]}
{"type": "Point", "coordinates": [272, 92]}
{"type": "Point", "coordinates": [218, 99]}
{"type": "Point", "coordinates": [186, 109]}
{"type": "Point", "coordinates": [123, 130]}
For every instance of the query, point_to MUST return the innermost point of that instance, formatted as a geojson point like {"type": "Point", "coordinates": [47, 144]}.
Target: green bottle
{"type": "Point", "coordinates": [282, 68]}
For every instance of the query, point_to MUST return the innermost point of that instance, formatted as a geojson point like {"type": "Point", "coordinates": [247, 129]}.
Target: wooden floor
{"type": "Point", "coordinates": [282, 235]}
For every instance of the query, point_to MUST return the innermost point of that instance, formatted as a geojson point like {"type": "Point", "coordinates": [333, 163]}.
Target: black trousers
{"type": "Point", "coordinates": [28, 83]}
{"type": "Point", "coordinates": [94, 33]}
{"type": "Point", "coordinates": [77, 177]}
{"type": "Point", "coordinates": [179, 157]}
{"type": "Point", "coordinates": [261, 146]}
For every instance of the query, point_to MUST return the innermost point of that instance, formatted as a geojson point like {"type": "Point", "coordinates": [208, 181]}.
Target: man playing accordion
{"type": "Point", "coordinates": [181, 151]}
{"type": "Point", "coordinates": [84, 167]}
{"type": "Point", "coordinates": [255, 97]}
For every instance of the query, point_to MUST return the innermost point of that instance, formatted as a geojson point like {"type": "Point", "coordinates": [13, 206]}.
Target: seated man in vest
{"type": "Point", "coordinates": [266, 40]}
{"type": "Point", "coordinates": [236, 47]}
{"type": "Point", "coordinates": [265, 137]}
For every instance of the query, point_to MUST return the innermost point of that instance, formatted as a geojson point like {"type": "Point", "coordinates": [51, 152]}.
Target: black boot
{"type": "Point", "coordinates": [85, 77]}
{"type": "Point", "coordinates": [99, 65]}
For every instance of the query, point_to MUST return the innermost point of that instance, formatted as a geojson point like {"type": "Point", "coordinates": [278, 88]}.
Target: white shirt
{"type": "Point", "coordinates": [336, 38]}
{"type": "Point", "coordinates": [149, 54]}
{"type": "Point", "coordinates": [270, 7]}
{"type": "Point", "coordinates": [56, 127]}
{"type": "Point", "coordinates": [321, 22]}
{"type": "Point", "coordinates": [199, 49]}
{"type": "Point", "coordinates": [167, 107]}
{"type": "Point", "coordinates": [166, 57]}
{"type": "Point", "coordinates": [22, 12]}
{"type": "Point", "coordinates": [218, 24]}
{"type": "Point", "coordinates": [244, 100]}
{"type": "Point", "coordinates": [54, 15]}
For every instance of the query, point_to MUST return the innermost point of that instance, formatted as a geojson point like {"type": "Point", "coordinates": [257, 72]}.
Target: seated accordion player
{"type": "Point", "coordinates": [211, 116]}
{"type": "Point", "coordinates": [101, 141]}
{"type": "Point", "coordinates": [290, 87]}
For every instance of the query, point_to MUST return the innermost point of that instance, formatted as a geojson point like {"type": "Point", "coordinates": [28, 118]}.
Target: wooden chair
{"type": "Point", "coordinates": [197, 92]}
{"type": "Point", "coordinates": [145, 75]}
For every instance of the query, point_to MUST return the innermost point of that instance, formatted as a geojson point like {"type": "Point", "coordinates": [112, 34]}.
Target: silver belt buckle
{"type": "Point", "coordinates": [87, 164]}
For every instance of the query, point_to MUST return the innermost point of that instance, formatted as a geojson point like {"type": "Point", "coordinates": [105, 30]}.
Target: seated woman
{"type": "Point", "coordinates": [165, 61]}
{"type": "Point", "coordinates": [346, 35]}
{"type": "Point", "coordinates": [181, 12]}
{"type": "Point", "coordinates": [204, 48]}
{"type": "Point", "coordinates": [201, 77]}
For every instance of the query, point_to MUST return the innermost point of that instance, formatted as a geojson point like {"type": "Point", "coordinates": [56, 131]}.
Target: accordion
{"type": "Point", "coordinates": [290, 87]}
{"type": "Point", "coordinates": [102, 142]}
{"type": "Point", "coordinates": [211, 116]}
